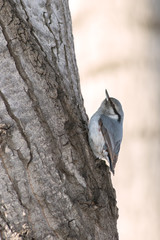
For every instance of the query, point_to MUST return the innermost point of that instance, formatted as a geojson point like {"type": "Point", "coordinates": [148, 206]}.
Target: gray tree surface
{"type": "Point", "coordinates": [50, 184]}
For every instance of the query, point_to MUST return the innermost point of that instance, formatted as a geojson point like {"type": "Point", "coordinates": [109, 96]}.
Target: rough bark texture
{"type": "Point", "coordinates": [50, 185]}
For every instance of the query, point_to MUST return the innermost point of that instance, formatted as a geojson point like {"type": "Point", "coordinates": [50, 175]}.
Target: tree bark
{"type": "Point", "coordinates": [50, 184]}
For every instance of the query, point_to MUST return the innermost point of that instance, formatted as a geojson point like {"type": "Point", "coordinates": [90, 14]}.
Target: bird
{"type": "Point", "coordinates": [106, 131]}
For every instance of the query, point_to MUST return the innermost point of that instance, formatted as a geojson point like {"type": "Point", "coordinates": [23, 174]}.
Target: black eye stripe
{"type": "Point", "coordinates": [116, 112]}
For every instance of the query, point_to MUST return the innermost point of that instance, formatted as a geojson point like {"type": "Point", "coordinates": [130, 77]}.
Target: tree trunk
{"type": "Point", "coordinates": [50, 184]}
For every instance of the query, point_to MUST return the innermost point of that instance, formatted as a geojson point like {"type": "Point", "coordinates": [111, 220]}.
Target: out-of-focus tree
{"type": "Point", "coordinates": [117, 46]}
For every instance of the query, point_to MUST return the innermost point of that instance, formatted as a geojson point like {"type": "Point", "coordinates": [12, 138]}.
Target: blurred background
{"type": "Point", "coordinates": [117, 47]}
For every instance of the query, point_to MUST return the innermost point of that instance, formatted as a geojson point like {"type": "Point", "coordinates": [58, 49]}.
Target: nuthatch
{"type": "Point", "coordinates": [106, 130]}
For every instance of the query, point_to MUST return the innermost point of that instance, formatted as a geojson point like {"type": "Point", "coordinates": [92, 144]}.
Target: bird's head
{"type": "Point", "coordinates": [112, 107]}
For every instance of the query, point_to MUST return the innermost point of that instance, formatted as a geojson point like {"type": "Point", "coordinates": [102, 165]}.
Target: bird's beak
{"type": "Point", "coordinates": [107, 95]}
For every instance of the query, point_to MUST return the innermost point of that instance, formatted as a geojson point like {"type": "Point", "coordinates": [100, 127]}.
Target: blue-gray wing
{"type": "Point", "coordinates": [112, 133]}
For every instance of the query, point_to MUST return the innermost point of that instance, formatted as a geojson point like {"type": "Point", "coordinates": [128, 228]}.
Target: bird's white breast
{"type": "Point", "coordinates": [95, 136]}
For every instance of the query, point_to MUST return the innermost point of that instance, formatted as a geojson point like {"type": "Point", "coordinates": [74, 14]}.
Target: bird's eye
{"type": "Point", "coordinates": [106, 102]}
